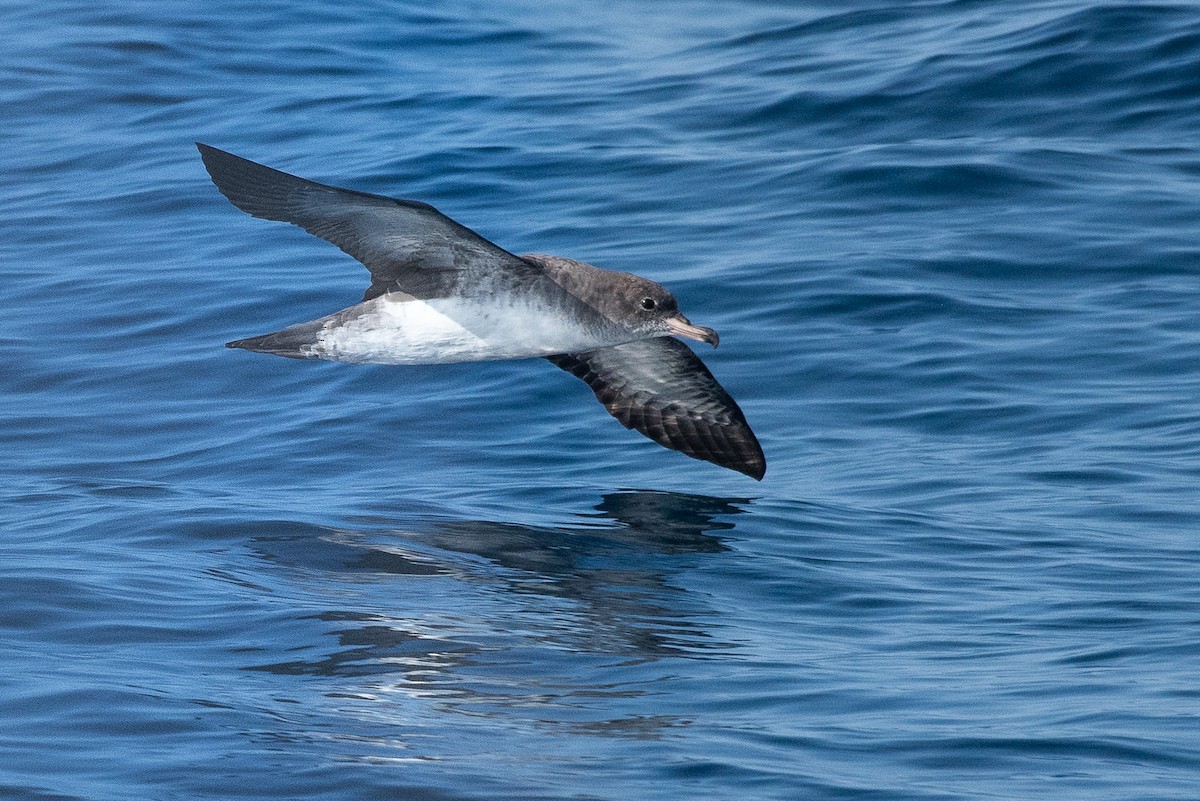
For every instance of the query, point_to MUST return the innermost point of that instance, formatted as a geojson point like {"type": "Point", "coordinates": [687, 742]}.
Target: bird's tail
{"type": "Point", "coordinates": [295, 342]}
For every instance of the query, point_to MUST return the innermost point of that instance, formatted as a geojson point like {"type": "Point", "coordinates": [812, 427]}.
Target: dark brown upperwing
{"type": "Point", "coordinates": [408, 246]}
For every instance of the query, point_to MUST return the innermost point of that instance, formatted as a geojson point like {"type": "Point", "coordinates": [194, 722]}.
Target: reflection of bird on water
{"type": "Point", "coordinates": [615, 568]}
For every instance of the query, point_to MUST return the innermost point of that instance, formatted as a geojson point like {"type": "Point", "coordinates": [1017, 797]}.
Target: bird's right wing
{"type": "Point", "coordinates": [408, 246]}
{"type": "Point", "coordinates": [662, 389]}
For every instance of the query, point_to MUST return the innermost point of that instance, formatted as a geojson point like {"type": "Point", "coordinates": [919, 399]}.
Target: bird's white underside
{"type": "Point", "coordinates": [395, 329]}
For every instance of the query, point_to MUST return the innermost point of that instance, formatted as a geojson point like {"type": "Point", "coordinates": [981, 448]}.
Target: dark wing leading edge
{"type": "Point", "coordinates": [408, 246]}
{"type": "Point", "coordinates": [662, 389]}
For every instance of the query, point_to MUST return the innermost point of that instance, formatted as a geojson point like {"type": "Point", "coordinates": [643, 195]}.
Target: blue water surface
{"type": "Point", "coordinates": [953, 251]}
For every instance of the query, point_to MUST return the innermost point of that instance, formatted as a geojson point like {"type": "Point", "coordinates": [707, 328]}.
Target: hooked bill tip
{"type": "Point", "coordinates": [681, 326]}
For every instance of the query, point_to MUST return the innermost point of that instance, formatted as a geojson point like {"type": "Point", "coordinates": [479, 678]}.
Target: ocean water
{"type": "Point", "coordinates": [953, 251]}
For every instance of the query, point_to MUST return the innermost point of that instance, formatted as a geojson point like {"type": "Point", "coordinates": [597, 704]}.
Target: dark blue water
{"type": "Point", "coordinates": [953, 251]}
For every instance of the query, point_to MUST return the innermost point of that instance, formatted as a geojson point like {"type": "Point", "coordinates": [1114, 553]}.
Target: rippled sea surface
{"type": "Point", "coordinates": [953, 251]}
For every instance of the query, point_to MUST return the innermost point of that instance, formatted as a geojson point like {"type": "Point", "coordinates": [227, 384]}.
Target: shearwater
{"type": "Point", "coordinates": [442, 293]}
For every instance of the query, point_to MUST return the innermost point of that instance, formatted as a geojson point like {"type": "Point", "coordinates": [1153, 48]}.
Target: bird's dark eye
{"type": "Point", "coordinates": [648, 304]}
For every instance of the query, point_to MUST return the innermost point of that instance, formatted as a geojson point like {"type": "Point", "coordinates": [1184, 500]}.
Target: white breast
{"type": "Point", "coordinates": [392, 330]}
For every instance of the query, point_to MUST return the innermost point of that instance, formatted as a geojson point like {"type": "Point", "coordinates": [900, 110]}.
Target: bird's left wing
{"type": "Point", "coordinates": [408, 246]}
{"type": "Point", "coordinates": [660, 388]}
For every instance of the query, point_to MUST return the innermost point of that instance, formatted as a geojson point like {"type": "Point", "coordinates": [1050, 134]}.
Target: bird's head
{"type": "Point", "coordinates": [628, 300]}
{"type": "Point", "coordinates": [655, 310]}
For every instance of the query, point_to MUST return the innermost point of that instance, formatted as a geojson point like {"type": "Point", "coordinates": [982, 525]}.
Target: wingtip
{"type": "Point", "coordinates": [755, 466]}
{"type": "Point", "coordinates": [214, 157]}
{"type": "Point", "coordinates": [210, 156]}
{"type": "Point", "coordinates": [743, 452]}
